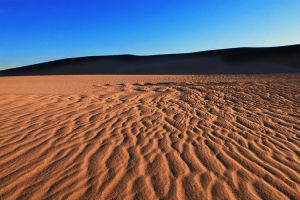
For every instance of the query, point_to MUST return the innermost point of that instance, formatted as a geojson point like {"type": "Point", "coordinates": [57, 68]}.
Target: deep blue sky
{"type": "Point", "coordinates": [33, 31]}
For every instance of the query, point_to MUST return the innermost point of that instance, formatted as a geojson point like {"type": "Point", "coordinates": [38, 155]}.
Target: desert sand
{"type": "Point", "coordinates": [150, 137]}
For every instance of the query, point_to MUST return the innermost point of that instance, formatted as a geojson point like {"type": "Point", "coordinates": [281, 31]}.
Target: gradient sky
{"type": "Point", "coordinates": [33, 31]}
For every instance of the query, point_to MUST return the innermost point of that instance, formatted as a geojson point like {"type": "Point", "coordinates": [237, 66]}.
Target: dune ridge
{"type": "Point", "coordinates": [283, 59]}
{"type": "Point", "coordinates": [207, 137]}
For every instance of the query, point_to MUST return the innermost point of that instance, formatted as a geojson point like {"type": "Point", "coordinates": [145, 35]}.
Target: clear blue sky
{"type": "Point", "coordinates": [33, 31]}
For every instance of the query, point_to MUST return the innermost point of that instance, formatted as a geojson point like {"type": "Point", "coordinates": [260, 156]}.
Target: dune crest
{"type": "Point", "coordinates": [212, 139]}
{"type": "Point", "coordinates": [283, 59]}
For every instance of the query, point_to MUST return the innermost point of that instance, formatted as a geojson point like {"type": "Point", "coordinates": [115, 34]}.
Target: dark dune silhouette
{"type": "Point", "coordinates": [283, 59]}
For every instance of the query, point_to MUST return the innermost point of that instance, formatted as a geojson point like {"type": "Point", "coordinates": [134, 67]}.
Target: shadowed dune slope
{"type": "Point", "coordinates": [228, 61]}
{"type": "Point", "coordinates": [114, 138]}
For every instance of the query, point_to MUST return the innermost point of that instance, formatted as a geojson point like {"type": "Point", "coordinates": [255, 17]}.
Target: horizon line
{"type": "Point", "coordinates": [149, 55]}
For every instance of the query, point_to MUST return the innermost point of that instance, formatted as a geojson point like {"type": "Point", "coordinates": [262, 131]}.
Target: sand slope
{"type": "Point", "coordinates": [283, 59]}
{"type": "Point", "coordinates": [212, 137]}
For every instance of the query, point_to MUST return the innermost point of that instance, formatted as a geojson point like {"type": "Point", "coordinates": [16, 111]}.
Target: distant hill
{"type": "Point", "coordinates": [284, 59]}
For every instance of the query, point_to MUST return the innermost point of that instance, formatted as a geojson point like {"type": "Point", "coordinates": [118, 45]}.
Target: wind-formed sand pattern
{"type": "Point", "coordinates": [216, 139]}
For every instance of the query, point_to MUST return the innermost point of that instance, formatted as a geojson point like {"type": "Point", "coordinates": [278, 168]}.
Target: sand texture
{"type": "Point", "coordinates": [150, 137]}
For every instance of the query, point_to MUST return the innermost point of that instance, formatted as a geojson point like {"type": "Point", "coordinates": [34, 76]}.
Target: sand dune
{"type": "Point", "coordinates": [150, 137]}
{"type": "Point", "coordinates": [227, 61]}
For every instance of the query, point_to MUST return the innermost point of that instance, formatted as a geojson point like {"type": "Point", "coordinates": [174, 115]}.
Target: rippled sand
{"type": "Point", "coordinates": [150, 137]}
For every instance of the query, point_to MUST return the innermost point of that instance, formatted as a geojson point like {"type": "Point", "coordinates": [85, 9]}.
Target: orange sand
{"type": "Point", "coordinates": [150, 137]}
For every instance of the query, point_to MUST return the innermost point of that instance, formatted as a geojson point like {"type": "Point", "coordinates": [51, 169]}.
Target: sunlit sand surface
{"type": "Point", "coordinates": [150, 137]}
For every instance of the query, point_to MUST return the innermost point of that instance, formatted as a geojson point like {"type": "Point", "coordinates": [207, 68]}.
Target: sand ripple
{"type": "Point", "coordinates": [218, 140]}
